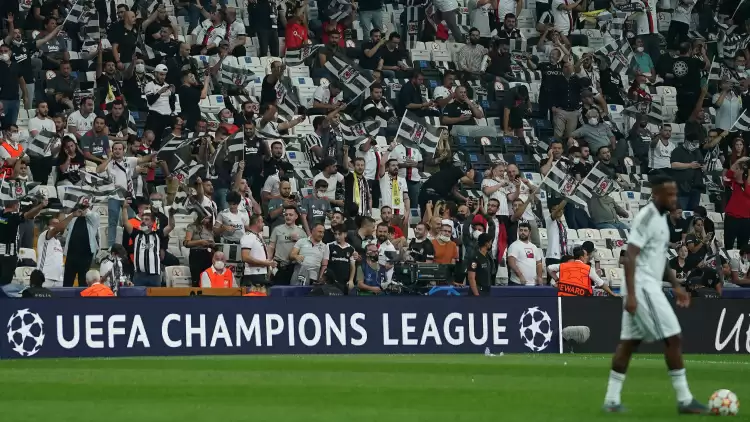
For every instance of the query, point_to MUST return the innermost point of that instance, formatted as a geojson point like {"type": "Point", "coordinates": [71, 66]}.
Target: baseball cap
{"type": "Point", "coordinates": [160, 68]}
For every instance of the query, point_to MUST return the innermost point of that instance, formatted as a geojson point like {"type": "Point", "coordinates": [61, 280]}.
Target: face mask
{"type": "Point", "coordinates": [690, 146]}
{"type": "Point", "coordinates": [644, 86]}
{"type": "Point", "coordinates": [15, 136]}
{"type": "Point", "coordinates": [741, 67]}
{"type": "Point", "coordinates": [576, 160]}
{"type": "Point", "coordinates": [145, 229]}
{"type": "Point", "coordinates": [593, 121]}
{"type": "Point", "coordinates": [5, 57]}
{"type": "Point", "coordinates": [219, 265]}
{"type": "Point", "coordinates": [321, 193]}
{"type": "Point", "coordinates": [140, 68]}
{"type": "Point", "coordinates": [475, 234]}
{"type": "Point", "coordinates": [230, 120]}
{"type": "Point", "coordinates": [639, 49]}
{"type": "Point", "coordinates": [444, 239]}
{"type": "Point", "coordinates": [460, 217]}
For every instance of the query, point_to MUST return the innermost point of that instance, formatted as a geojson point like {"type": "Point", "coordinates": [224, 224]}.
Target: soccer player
{"type": "Point", "coordinates": [648, 316]}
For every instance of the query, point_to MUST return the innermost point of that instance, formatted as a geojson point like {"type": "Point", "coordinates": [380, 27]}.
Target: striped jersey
{"type": "Point", "coordinates": [146, 247]}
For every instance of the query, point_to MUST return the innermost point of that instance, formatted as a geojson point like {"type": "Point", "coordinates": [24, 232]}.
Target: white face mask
{"type": "Point", "coordinates": [230, 120]}
{"type": "Point", "coordinates": [219, 265]}
{"type": "Point", "coordinates": [15, 136]}
{"type": "Point", "coordinates": [639, 49]}
{"type": "Point", "coordinates": [145, 228]}
{"type": "Point", "coordinates": [593, 121]}
{"type": "Point", "coordinates": [444, 239]}
{"type": "Point", "coordinates": [475, 234]}
{"type": "Point", "coordinates": [576, 160]}
{"type": "Point", "coordinates": [321, 193]}
{"type": "Point", "coordinates": [140, 68]}
{"type": "Point", "coordinates": [5, 57]}
{"type": "Point", "coordinates": [741, 67]}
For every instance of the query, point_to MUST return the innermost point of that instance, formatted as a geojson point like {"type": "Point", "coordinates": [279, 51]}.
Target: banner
{"type": "Point", "coordinates": [155, 326]}
{"type": "Point", "coordinates": [708, 325]}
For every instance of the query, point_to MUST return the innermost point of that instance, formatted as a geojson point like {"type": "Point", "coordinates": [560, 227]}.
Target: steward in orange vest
{"type": "Point", "coordinates": [97, 290]}
{"type": "Point", "coordinates": [574, 277]}
{"type": "Point", "coordinates": [14, 152]}
{"type": "Point", "coordinates": [217, 276]}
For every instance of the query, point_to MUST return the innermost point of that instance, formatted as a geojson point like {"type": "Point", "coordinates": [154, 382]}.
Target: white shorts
{"type": "Point", "coordinates": [654, 317]}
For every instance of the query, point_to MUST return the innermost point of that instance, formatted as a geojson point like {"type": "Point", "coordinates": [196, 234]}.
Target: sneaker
{"type": "Point", "coordinates": [613, 408]}
{"type": "Point", "coordinates": [694, 408]}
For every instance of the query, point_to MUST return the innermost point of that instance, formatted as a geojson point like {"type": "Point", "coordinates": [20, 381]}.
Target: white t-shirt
{"type": "Point", "coordinates": [50, 257]}
{"type": "Point", "coordinates": [386, 193]}
{"type": "Point", "coordinates": [660, 156]}
{"type": "Point", "coordinates": [741, 267]}
{"type": "Point", "coordinates": [254, 243]}
{"type": "Point", "coordinates": [236, 29]}
{"type": "Point", "coordinates": [682, 11]}
{"type": "Point", "coordinates": [446, 5]}
{"type": "Point", "coordinates": [271, 184]}
{"type": "Point", "coordinates": [82, 124]}
{"type": "Point", "coordinates": [236, 221]}
{"type": "Point", "coordinates": [333, 182]}
{"type": "Point", "coordinates": [650, 233]}
{"type": "Point", "coordinates": [386, 246]}
{"type": "Point", "coordinates": [122, 172]}
{"type": "Point", "coordinates": [371, 157]}
{"type": "Point", "coordinates": [647, 22]}
{"type": "Point", "coordinates": [524, 190]}
{"type": "Point", "coordinates": [527, 255]}
{"type": "Point", "coordinates": [323, 95]}
{"type": "Point", "coordinates": [562, 17]}
{"type": "Point", "coordinates": [506, 6]}
{"type": "Point", "coordinates": [553, 239]}
{"type": "Point", "coordinates": [400, 153]}
{"type": "Point", "coordinates": [161, 105]}
{"type": "Point", "coordinates": [215, 34]}
{"type": "Point", "coordinates": [37, 125]}
{"type": "Point", "coordinates": [501, 195]}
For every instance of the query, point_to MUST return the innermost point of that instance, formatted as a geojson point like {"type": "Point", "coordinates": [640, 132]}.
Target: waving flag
{"type": "Point", "coordinates": [418, 132]}
{"type": "Point", "coordinates": [187, 173]}
{"type": "Point", "coordinates": [350, 76]}
{"type": "Point", "coordinates": [618, 53]}
{"type": "Point", "coordinates": [234, 74]}
{"type": "Point", "coordinates": [559, 180]}
{"type": "Point", "coordinates": [73, 195]}
{"type": "Point", "coordinates": [176, 152]}
{"type": "Point", "coordinates": [298, 56]}
{"type": "Point", "coordinates": [41, 143]}
{"type": "Point", "coordinates": [236, 147]}
{"type": "Point", "coordinates": [356, 131]}
{"type": "Point", "coordinates": [287, 101]}
{"type": "Point", "coordinates": [598, 183]}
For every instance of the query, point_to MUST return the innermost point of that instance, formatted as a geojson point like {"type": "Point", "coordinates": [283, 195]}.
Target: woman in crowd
{"type": "Point", "coordinates": [69, 163]}
{"type": "Point", "coordinates": [697, 242]}
{"type": "Point", "coordinates": [199, 238]}
{"type": "Point", "coordinates": [737, 211]}
{"type": "Point", "coordinates": [679, 265]}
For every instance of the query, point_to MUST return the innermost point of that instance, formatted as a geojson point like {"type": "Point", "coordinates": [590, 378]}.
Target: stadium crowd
{"type": "Point", "coordinates": [509, 106]}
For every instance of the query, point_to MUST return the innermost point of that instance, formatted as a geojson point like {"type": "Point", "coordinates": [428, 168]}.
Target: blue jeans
{"type": "Point", "coordinates": [577, 218]}
{"type": "Point", "coordinates": [147, 280]}
{"type": "Point", "coordinates": [220, 197]}
{"type": "Point", "coordinates": [13, 289]}
{"type": "Point", "coordinates": [618, 225]}
{"type": "Point", "coordinates": [370, 19]}
{"type": "Point", "coordinates": [11, 111]}
{"type": "Point", "coordinates": [690, 201]}
{"type": "Point", "coordinates": [114, 208]}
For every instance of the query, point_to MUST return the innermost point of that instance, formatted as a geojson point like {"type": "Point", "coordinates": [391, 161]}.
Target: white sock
{"type": "Point", "coordinates": [679, 382]}
{"type": "Point", "coordinates": [614, 387]}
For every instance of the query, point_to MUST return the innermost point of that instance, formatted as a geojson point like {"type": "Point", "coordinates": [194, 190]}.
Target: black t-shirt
{"type": "Point", "coordinates": [442, 182]}
{"type": "Point", "coordinates": [9, 74]}
{"type": "Point", "coordinates": [687, 73]}
{"type": "Point", "coordinates": [458, 109]}
{"type": "Point", "coordinates": [410, 94]}
{"type": "Point", "coordinates": [339, 261]}
{"type": "Point", "coordinates": [511, 228]}
{"type": "Point", "coordinates": [688, 179]}
{"type": "Point", "coordinates": [681, 270]}
{"type": "Point", "coordinates": [190, 96]}
{"type": "Point", "coordinates": [133, 93]}
{"type": "Point", "coordinates": [37, 292]}
{"type": "Point", "coordinates": [500, 64]}
{"type": "Point", "coordinates": [103, 84]}
{"type": "Point", "coordinates": [154, 28]}
{"type": "Point", "coordinates": [353, 238]}
{"type": "Point", "coordinates": [371, 63]}
{"type": "Point", "coordinates": [517, 107]}
{"type": "Point", "coordinates": [9, 223]}
{"type": "Point", "coordinates": [391, 58]}
{"type": "Point", "coordinates": [126, 39]}
{"type": "Point", "coordinates": [268, 91]}
{"type": "Point", "coordinates": [22, 56]}
{"type": "Point", "coordinates": [422, 251]}
{"type": "Point", "coordinates": [695, 258]}
{"type": "Point", "coordinates": [640, 141]}
{"type": "Point", "coordinates": [79, 235]}
{"type": "Point", "coordinates": [481, 266]}
{"type": "Point", "coordinates": [551, 74]}
{"type": "Point", "coordinates": [116, 125]}
{"type": "Point", "coordinates": [676, 230]}
{"type": "Point", "coordinates": [255, 150]}
{"type": "Point", "coordinates": [73, 173]}
{"type": "Point", "coordinates": [582, 168]}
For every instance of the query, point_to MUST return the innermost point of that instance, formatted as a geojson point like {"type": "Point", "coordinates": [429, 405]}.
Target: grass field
{"type": "Point", "coordinates": [352, 388]}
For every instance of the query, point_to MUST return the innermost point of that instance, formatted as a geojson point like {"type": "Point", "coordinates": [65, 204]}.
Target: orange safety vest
{"type": "Point", "coordinates": [218, 281]}
{"type": "Point", "coordinates": [97, 290]}
{"type": "Point", "coordinates": [255, 294]}
{"type": "Point", "coordinates": [7, 170]}
{"type": "Point", "coordinates": [574, 279]}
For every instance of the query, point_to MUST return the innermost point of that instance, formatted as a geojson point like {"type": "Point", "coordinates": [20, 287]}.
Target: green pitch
{"type": "Point", "coordinates": [451, 388]}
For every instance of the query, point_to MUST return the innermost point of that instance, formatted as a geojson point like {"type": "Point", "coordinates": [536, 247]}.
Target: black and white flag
{"type": "Point", "coordinates": [236, 147]}
{"type": "Point", "coordinates": [354, 131]}
{"type": "Point", "coordinates": [76, 13]}
{"type": "Point", "coordinates": [618, 53]}
{"type": "Point", "coordinates": [176, 153]}
{"type": "Point", "coordinates": [73, 195]}
{"type": "Point", "coordinates": [418, 132]}
{"type": "Point", "coordinates": [349, 75]}
{"type": "Point", "coordinates": [338, 10]}
{"type": "Point", "coordinates": [187, 173]}
{"type": "Point", "coordinates": [298, 56]}
{"type": "Point", "coordinates": [40, 144]}
{"type": "Point", "coordinates": [598, 183]}
{"type": "Point", "coordinates": [234, 74]}
{"type": "Point", "coordinates": [743, 122]}
{"type": "Point", "coordinates": [559, 180]}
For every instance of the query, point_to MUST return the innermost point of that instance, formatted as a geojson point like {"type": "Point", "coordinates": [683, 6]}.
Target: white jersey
{"type": "Point", "coordinates": [254, 243]}
{"type": "Point", "coordinates": [50, 260]}
{"type": "Point", "coordinates": [741, 267]}
{"type": "Point", "coordinates": [236, 221]}
{"type": "Point", "coordinates": [650, 233]}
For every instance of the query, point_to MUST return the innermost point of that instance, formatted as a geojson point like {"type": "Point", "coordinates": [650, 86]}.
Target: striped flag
{"type": "Point", "coordinates": [7, 193]}
{"type": "Point", "coordinates": [728, 39]}
{"type": "Point", "coordinates": [73, 195]}
{"type": "Point", "coordinates": [91, 29]}
{"type": "Point", "coordinates": [76, 13]}
{"type": "Point", "coordinates": [150, 53]}
{"type": "Point", "coordinates": [619, 54]}
{"type": "Point", "coordinates": [187, 173]}
{"type": "Point", "coordinates": [518, 44]}
{"type": "Point", "coordinates": [185, 203]}
{"type": "Point", "coordinates": [338, 10]}
{"type": "Point", "coordinates": [418, 132]}
{"type": "Point", "coordinates": [287, 101]}
{"type": "Point", "coordinates": [598, 183]}
{"type": "Point", "coordinates": [236, 147]}
{"type": "Point", "coordinates": [558, 179]}
{"type": "Point", "coordinates": [298, 56]}
{"type": "Point", "coordinates": [176, 152]}
{"type": "Point", "coordinates": [132, 126]}
{"type": "Point", "coordinates": [354, 131]}
{"type": "Point", "coordinates": [742, 123]}
{"type": "Point", "coordinates": [233, 74]}
{"type": "Point", "coordinates": [41, 143]}
{"type": "Point", "coordinates": [717, 71]}
{"type": "Point", "coordinates": [350, 76]}
{"type": "Point", "coordinates": [654, 111]}
{"type": "Point", "coordinates": [147, 7]}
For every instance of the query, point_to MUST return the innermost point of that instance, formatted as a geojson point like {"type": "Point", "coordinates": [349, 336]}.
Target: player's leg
{"type": "Point", "coordinates": [630, 339]}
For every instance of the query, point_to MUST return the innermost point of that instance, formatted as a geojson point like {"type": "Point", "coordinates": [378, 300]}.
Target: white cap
{"type": "Point", "coordinates": [160, 68]}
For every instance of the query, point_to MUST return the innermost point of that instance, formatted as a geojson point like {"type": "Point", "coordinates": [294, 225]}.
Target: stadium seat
{"type": "Point", "coordinates": [615, 276]}
{"type": "Point", "coordinates": [27, 253]}
{"type": "Point", "coordinates": [502, 276]}
{"type": "Point", "coordinates": [572, 234]}
{"type": "Point", "coordinates": [176, 274]}
{"type": "Point", "coordinates": [589, 234]}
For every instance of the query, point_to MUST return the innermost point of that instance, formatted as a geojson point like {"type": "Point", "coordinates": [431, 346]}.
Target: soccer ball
{"type": "Point", "coordinates": [26, 332]}
{"type": "Point", "coordinates": [724, 403]}
{"type": "Point", "coordinates": [536, 329]}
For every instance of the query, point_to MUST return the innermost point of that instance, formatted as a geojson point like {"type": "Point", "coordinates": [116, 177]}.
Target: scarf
{"type": "Point", "coordinates": [395, 196]}
{"type": "Point", "coordinates": [563, 238]}
{"type": "Point", "coordinates": [357, 197]}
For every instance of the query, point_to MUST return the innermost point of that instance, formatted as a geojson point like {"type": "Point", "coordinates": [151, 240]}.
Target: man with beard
{"type": "Point", "coordinates": [82, 121]}
{"type": "Point", "coordinates": [210, 32]}
{"type": "Point", "coordinates": [282, 241]}
{"type": "Point", "coordinates": [356, 189]}
{"type": "Point", "coordinates": [462, 111]}
{"type": "Point", "coordinates": [470, 57]}
{"type": "Point", "coordinates": [275, 161]}
{"type": "Point", "coordinates": [687, 170]}
{"type": "Point", "coordinates": [603, 209]}
{"type": "Point", "coordinates": [329, 173]}
{"type": "Point", "coordinates": [271, 185]}
{"type": "Point", "coordinates": [386, 216]}
{"type": "Point", "coordinates": [95, 143]}
{"type": "Point", "coordinates": [420, 248]}
{"type": "Point", "coordinates": [364, 233]}
{"type": "Point", "coordinates": [277, 206]}
{"type": "Point", "coordinates": [109, 88]}
{"type": "Point", "coordinates": [63, 85]}
{"type": "Point", "coordinates": [525, 260]}
{"type": "Point", "coordinates": [271, 84]}
{"type": "Point", "coordinates": [326, 53]}
{"type": "Point", "coordinates": [394, 192]}
{"type": "Point", "coordinates": [153, 25]}
{"type": "Point", "coordinates": [384, 245]}
{"type": "Point", "coordinates": [480, 269]}
{"type": "Point", "coordinates": [246, 113]}
{"type": "Point", "coordinates": [180, 63]}
{"type": "Point", "coordinates": [124, 39]}
{"type": "Point", "coordinates": [310, 256]}
{"type": "Point", "coordinates": [117, 122]}
{"type": "Point", "coordinates": [51, 251]}
{"type": "Point", "coordinates": [161, 98]}
{"type": "Point", "coordinates": [255, 153]}
{"type": "Point", "coordinates": [410, 97]}
{"type": "Point", "coordinates": [134, 84]}
{"type": "Point", "coordinates": [337, 217]}
{"type": "Point", "coordinates": [551, 76]}
{"type": "Point", "coordinates": [55, 50]}
{"type": "Point", "coordinates": [22, 52]}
